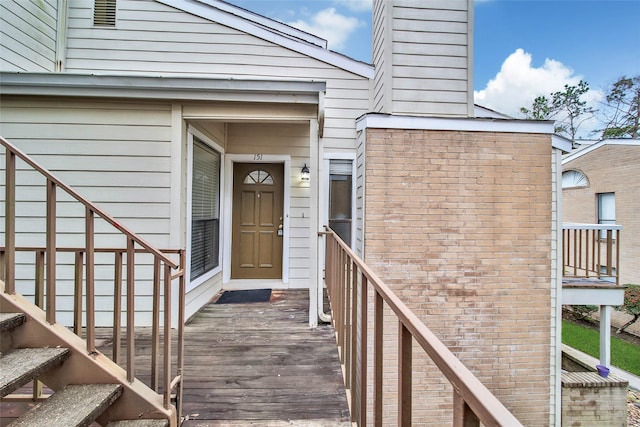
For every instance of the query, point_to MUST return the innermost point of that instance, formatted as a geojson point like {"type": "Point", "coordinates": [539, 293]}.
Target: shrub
{"type": "Point", "coordinates": [631, 305]}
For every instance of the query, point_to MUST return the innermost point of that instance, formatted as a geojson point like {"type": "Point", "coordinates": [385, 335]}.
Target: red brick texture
{"type": "Point", "coordinates": [459, 225]}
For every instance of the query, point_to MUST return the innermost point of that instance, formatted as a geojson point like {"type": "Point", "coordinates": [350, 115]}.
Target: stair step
{"type": "Point", "coordinates": [10, 321]}
{"type": "Point", "coordinates": [139, 423]}
{"type": "Point", "coordinates": [75, 405]}
{"type": "Point", "coordinates": [19, 366]}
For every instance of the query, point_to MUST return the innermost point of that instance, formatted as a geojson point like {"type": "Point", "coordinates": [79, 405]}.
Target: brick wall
{"type": "Point", "coordinates": [589, 400]}
{"type": "Point", "coordinates": [610, 169]}
{"type": "Point", "coordinates": [459, 225]}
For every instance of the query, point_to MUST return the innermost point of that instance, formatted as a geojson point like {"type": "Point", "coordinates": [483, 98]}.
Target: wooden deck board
{"type": "Point", "coordinates": [261, 361]}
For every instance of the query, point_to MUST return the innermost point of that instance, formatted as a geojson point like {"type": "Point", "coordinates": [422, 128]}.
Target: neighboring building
{"type": "Point", "coordinates": [181, 116]}
{"type": "Point", "coordinates": [600, 185]}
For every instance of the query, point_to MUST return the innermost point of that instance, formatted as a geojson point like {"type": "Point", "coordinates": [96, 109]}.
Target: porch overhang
{"type": "Point", "coordinates": [592, 295]}
{"type": "Point", "coordinates": [169, 88]}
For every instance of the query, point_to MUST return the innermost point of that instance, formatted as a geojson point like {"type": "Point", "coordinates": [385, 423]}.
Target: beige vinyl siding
{"type": "Point", "coordinates": [425, 65]}
{"type": "Point", "coordinates": [27, 35]}
{"type": "Point", "coordinates": [152, 38]}
{"type": "Point", "coordinates": [115, 154]}
{"type": "Point", "coordinates": [380, 37]}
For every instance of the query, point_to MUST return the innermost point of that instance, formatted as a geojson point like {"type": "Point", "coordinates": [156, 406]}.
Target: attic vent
{"type": "Point", "coordinates": [104, 13]}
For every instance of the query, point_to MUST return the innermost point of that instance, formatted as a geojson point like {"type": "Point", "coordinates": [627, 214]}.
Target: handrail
{"type": "Point", "coordinates": [96, 209]}
{"type": "Point", "coordinates": [345, 275]}
{"type": "Point", "coordinates": [591, 251]}
{"type": "Point", "coordinates": [165, 270]}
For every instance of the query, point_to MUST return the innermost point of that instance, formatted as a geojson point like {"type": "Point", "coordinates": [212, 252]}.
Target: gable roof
{"type": "Point", "coordinates": [270, 30]}
{"type": "Point", "coordinates": [589, 148]}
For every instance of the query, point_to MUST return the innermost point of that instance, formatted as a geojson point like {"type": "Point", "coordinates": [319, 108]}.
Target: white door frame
{"type": "Point", "coordinates": [229, 160]}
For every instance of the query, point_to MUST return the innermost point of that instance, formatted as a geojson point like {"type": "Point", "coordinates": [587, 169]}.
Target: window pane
{"type": "Point", "coordinates": [340, 198]}
{"type": "Point", "coordinates": [205, 209]}
{"type": "Point", "coordinates": [606, 208]}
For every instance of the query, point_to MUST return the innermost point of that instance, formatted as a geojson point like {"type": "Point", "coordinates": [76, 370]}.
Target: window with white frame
{"type": "Point", "coordinates": [574, 179]}
{"type": "Point", "coordinates": [606, 210]}
{"type": "Point", "coordinates": [205, 209]}
{"type": "Point", "coordinates": [341, 198]}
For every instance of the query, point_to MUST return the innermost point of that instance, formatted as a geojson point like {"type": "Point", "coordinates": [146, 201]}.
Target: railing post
{"type": "Point", "coordinates": [39, 294]}
{"type": "Point", "coordinates": [354, 343]}
{"type": "Point", "coordinates": [131, 368]}
{"type": "Point", "coordinates": [586, 253]}
{"type": "Point", "coordinates": [51, 252]}
{"type": "Point", "coordinates": [181, 319]}
{"type": "Point", "coordinates": [378, 343]}
{"type": "Point", "coordinates": [117, 306]}
{"type": "Point", "coordinates": [155, 324]}
{"type": "Point", "coordinates": [363, 350]}
{"type": "Point", "coordinates": [609, 252]}
{"type": "Point", "coordinates": [77, 293]}
{"type": "Point", "coordinates": [463, 416]}
{"type": "Point", "coordinates": [348, 329]}
{"type": "Point", "coordinates": [90, 278]}
{"type": "Point", "coordinates": [618, 257]}
{"type": "Point", "coordinates": [10, 223]}
{"type": "Point", "coordinates": [167, 336]}
{"type": "Point", "coordinates": [404, 376]}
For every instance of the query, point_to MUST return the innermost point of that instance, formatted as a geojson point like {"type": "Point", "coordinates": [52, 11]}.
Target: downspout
{"type": "Point", "coordinates": [61, 37]}
{"type": "Point", "coordinates": [326, 318]}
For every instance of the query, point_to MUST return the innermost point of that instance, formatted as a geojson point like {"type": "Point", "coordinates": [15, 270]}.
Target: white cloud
{"type": "Point", "coordinates": [355, 5]}
{"type": "Point", "coordinates": [517, 84]}
{"type": "Point", "coordinates": [330, 25]}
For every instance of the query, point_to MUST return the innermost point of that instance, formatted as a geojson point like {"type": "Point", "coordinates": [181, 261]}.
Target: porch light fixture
{"type": "Point", "coordinates": [304, 173]}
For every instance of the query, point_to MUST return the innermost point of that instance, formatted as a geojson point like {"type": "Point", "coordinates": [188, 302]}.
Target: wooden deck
{"type": "Point", "coordinates": [255, 364]}
{"type": "Point", "coordinates": [246, 364]}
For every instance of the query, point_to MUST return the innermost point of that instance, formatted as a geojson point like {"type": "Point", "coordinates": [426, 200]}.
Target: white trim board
{"type": "Point", "coordinates": [174, 88]}
{"type": "Point", "coordinates": [579, 153]}
{"type": "Point", "coordinates": [386, 121]}
{"type": "Point", "coordinates": [191, 133]}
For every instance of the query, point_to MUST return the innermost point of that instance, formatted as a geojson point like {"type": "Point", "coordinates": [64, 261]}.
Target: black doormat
{"type": "Point", "coordinates": [244, 297]}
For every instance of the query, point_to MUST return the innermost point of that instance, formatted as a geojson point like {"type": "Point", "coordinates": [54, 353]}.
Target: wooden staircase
{"type": "Point", "coordinates": [70, 405]}
{"type": "Point", "coordinates": [87, 386]}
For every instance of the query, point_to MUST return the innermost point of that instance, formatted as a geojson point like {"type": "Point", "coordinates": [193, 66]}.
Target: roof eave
{"type": "Point", "coordinates": [144, 87]}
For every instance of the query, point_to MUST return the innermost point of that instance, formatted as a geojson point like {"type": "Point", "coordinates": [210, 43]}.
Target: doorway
{"type": "Point", "coordinates": [257, 221]}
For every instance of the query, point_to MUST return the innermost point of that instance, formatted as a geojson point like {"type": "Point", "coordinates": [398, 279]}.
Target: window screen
{"type": "Point", "coordinates": [205, 209]}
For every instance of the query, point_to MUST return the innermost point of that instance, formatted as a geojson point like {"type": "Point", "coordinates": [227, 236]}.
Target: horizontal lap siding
{"type": "Point", "coordinates": [151, 38]}
{"type": "Point", "coordinates": [157, 39]}
{"type": "Point", "coordinates": [116, 155]}
{"type": "Point", "coordinates": [380, 35]}
{"type": "Point", "coordinates": [27, 35]}
{"type": "Point", "coordinates": [422, 64]}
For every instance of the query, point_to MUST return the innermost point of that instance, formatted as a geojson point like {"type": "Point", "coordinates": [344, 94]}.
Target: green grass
{"type": "Point", "coordinates": [624, 355]}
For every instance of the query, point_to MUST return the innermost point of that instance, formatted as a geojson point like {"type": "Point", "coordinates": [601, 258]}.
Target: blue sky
{"type": "Point", "coordinates": [523, 48]}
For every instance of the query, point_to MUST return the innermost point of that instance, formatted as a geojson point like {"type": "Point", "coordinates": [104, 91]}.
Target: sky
{"type": "Point", "coordinates": [522, 48]}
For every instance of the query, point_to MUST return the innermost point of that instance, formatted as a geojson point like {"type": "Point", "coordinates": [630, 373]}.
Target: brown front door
{"type": "Point", "coordinates": [258, 199]}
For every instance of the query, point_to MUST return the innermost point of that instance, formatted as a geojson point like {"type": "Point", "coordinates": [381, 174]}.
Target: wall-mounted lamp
{"type": "Point", "coordinates": [304, 173]}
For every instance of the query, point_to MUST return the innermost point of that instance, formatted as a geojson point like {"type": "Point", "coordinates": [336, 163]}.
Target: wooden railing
{"type": "Point", "coordinates": [349, 281]}
{"type": "Point", "coordinates": [591, 251]}
{"type": "Point", "coordinates": [165, 272]}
